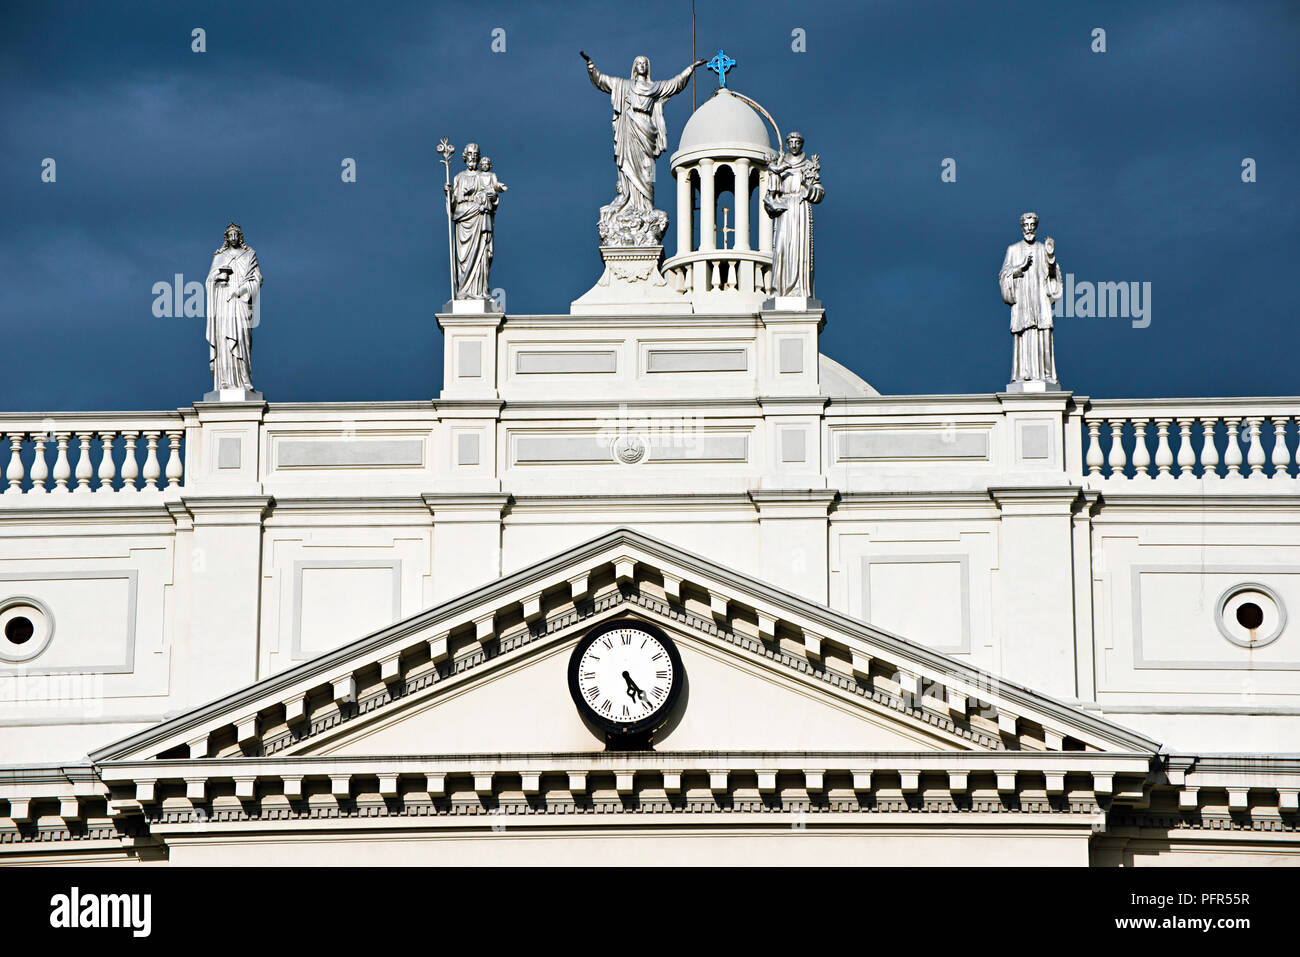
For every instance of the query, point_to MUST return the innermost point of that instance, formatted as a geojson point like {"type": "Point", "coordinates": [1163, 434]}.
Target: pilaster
{"type": "Point", "coordinates": [1035, 587]}
{"type": "Point", "coordinates": [794, 537]}
{"type": "Point", "coordinates": [466, 541]}
{"type": "Point", "coordinates": [218, 652]}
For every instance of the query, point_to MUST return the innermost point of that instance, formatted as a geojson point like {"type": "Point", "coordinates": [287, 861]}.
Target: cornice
{"type": "Point", "coordinates": [750, 404]}
{"type": "Point", "coordinates": [101, 512]}
{"type": "Point", "coordinates": [1199, 498]}
{"type": "Point", "coordinates": [228, 509]}
{"type": "Point", "coordinates": [1036, 500]}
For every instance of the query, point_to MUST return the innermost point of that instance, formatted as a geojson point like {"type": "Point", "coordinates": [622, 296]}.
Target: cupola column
{"type": "Point", "coordinates": [683, 210]}
{"type": "Point", "coordinates": [764, 218]}
{"type": "Point", "coordinates": [708, 215]}
{"type": "Point", "coordinates": [740, 168]}
{"type": "Point", "coordinates": [708, 204]}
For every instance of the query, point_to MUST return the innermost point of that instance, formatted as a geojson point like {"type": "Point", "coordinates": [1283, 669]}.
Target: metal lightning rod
{"type": "Point", "coordinates": [692, 55]}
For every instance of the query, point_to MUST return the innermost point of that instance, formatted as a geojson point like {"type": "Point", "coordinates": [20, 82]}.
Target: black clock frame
{"type": "Point", "coordinates": [635, 733]}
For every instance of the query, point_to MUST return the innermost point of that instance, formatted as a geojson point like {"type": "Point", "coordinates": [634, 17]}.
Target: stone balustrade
{"type": "Point", "coordinates": [1185, 439]}
{"type": "Point", "coordinates": [84, 453]}
{"type": "Point", "coordinates": [721, 270]}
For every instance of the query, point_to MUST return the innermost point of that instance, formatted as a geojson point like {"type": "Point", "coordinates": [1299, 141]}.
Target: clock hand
{"type": "Point", "coordinates": [632, 690]}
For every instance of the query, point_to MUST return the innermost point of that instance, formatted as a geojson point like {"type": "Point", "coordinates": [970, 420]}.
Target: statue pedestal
{"type": "Point", "coordinates": [791, 304]}
{"type": "Point", "coordinates": [632, 284]}
{"type": "Point", "coordinates": [470, 307]}
{"type": "Point", "coordinates": [233, 395]}
{"type": "Point", "coordinates": [1033, 385]}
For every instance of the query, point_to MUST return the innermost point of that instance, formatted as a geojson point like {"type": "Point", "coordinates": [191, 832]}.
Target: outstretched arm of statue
{"type": "Point", "coordinates": [599, 80]}
{"type": "Point", "coordinates": [678, 83]}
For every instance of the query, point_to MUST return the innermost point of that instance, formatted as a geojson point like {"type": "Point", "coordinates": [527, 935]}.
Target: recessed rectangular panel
{"type": "Point", "coordinates": [1035, 442]}
{"type": "Point", "coordinates": [565, 363]}
{"type": "Point", "coordinates": [229, 452]}
{"type": "Point", "coordinates": [333, 453]}
{"type": "Point", "coordinates": [90, 617]}
{"type": "Point", "coordinates": [469, 358]}
{"type": "Point", "coordinates": [1176, 620]}
{"type": "Point", "coordinates": [701, 448]}
{"type": "Point", "coordinates": [793, 442]}
{"type": "Point", "coordinates": [467, 451]}
{"type": "Point", "coordinates": [791, 355]}
{"type": "Point", "coordinates": [913, 444]}
{"type": "Point", "coordinates": [924, 598]}
{"type": "Point", "coordinates": [340, 601]}
{"type": "Point", "coordinates": [561, 449]}
{"type": "Point", "coordinates": [696, 360]}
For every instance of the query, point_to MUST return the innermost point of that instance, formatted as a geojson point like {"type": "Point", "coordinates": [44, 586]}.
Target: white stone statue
{"type": "Point", "coordinates": [233, 285]}
{"type": "Point", "coordinates": [474, 195]}
{"type": "Point", "coordinates": [1031, 282]}
{"type": "Point", "coordinates": [793, 187]}
{"type": "Point", "coordinates": [640, 135]}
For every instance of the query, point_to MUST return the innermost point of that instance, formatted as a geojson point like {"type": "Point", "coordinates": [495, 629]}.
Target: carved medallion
{"type": "Point", "coordinates": [628, 449]}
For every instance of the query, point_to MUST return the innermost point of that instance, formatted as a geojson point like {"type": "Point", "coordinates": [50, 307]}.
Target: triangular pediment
{"type": "Point", "coordinates": [485, 673]}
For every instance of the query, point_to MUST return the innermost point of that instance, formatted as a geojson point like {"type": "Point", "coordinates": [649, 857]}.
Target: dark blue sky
{"type": "Point", "coordinates": [1132, 158]}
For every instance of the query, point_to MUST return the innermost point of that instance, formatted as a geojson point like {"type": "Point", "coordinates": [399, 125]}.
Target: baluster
{"type": "Point", "coordinates": [715, 276]}
{"type": "Point", "coordinates": [151, 470]}
{"type": "Point", "coordinates": [1255, 455]}
{"type": "Point", "coordinates": [1094, 458]}
{"type": "Point", "coordinates": [1232, 454]}
{"type": "Point", "coordinates": [1281, 455]}
{"type": "Point", "coordinates": [1186, 457]}
{"type": "Point", "coordinates": [40, 467]}
{"type": "Point", "coordinates": [84, 471]}
{"type": "Point", "coordinates": [1141, 454]}
{"type": "Point", "coordinates": [1209, 451]}
{"type": "Point", "coordinates": [130, 467]}
{"type": "Point", "coordinates": [1116, 460]}
{"type": "Point", "coordinates": [174, 464]}
{"type": "Point", "coordinates": [1164, 455]}
{"type": "Point", "coordinates": [62, 470]}
{"type": "Point", "coordinates": [107, 470]}
{"type": "Point", "coordinates": [15, 471]}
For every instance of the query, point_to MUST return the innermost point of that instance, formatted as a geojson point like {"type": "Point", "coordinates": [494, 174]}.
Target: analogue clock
{"type": "Point", "coordinates": [625, 676]}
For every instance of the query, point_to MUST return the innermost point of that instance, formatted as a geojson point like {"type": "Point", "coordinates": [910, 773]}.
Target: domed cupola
{"type": "Point", "coordinates": [724, 258]}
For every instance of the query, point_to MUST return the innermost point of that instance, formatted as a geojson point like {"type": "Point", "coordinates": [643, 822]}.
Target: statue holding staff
{"type": "Point", "coordinates": [472, 199]}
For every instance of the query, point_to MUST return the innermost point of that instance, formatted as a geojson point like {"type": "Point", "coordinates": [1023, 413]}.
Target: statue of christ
{"type": "Point", "coordinates": [640, 136]}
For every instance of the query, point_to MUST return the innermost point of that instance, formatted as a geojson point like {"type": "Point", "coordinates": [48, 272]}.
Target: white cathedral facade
{"type": "Point", "coordinates": [1006, 628]}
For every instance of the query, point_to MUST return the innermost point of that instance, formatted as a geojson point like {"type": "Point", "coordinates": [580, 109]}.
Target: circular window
{"type": "Point", "coordinates": [1251, 615]}
{"type": "Point", "coordinates": [26, 627]}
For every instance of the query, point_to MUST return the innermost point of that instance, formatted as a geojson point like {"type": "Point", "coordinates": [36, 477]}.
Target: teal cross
{"type": "Point", "coordinates": [720, 64]}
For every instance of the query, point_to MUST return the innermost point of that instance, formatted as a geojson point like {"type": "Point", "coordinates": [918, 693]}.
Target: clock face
{"type": "Point", "coordinates": [624, 676]}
